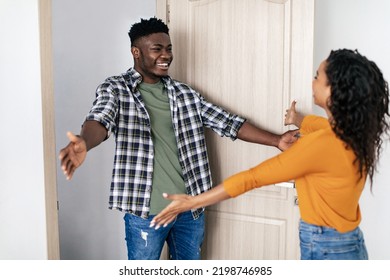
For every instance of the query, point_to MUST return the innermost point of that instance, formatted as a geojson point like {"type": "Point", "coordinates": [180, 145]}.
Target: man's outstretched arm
{"type": "Point", "coordinates": [74, 154]}
{"type": "Point", "coordinates": [251, 133]}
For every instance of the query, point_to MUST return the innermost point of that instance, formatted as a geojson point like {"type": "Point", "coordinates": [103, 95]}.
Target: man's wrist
{"type": "Point", "coordinates": [277, 140]}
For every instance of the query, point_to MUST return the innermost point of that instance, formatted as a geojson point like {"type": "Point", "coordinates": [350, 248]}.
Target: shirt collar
{"type": "Point", "coordinates": [134, 79]}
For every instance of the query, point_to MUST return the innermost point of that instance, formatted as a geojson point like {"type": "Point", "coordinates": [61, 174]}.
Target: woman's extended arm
{"type": "Point", "coordinates": [181, 203]}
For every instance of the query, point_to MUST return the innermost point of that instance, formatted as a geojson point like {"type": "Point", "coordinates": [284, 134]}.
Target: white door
{"type": "Point", "coordinates": [253, 57]}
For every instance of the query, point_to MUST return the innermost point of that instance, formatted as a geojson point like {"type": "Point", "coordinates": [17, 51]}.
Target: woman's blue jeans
{"type": "Point", "coordinates": [324, 243]}
{"type": "Point", "coordinates": [184, 237]}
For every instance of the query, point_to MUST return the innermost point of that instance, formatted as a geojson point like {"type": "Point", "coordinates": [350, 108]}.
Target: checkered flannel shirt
{"type": "Point", "coordinates": [120, 109]}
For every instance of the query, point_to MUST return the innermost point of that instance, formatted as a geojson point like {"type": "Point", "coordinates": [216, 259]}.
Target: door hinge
{"type": "Point", "coordinates": [296, 200]}
{"type": "Point", "coordinates": [168, 13]}
{"type": "Point", "coordinates": [58, 205]}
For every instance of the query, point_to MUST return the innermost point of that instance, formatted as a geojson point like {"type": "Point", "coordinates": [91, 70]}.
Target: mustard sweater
{"type": "Point", "coordinates": [327, 181]}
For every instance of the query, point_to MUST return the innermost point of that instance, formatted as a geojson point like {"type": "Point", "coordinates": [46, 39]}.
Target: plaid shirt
{"type": "Point", "coordinates": [120, 109]}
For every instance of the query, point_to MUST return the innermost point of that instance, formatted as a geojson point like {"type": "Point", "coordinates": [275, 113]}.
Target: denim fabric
{"type": "Point", "coordinates": [324, 243]}
{"type": "Point", "coordinates": [184, 237]}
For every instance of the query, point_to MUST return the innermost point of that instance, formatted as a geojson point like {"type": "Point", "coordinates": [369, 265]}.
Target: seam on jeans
{"type": "Point", "coordinates": [174, 249]}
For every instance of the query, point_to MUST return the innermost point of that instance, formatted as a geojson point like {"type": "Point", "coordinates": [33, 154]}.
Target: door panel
{"type": "Point", "coordinates": [252, 57]}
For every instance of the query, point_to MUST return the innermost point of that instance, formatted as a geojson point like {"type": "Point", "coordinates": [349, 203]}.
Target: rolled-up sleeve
{"type": "Point", "coordinates": [221, 121]}
{"type": "Point", "coordinates": [104, 108]}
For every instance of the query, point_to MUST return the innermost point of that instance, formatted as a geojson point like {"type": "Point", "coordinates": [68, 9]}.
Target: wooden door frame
{"type": "Point", "coordinates": [48, 118]}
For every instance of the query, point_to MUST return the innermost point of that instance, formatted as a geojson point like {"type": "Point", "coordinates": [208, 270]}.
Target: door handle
{"type": "Point", "coordinates": [288, 185]}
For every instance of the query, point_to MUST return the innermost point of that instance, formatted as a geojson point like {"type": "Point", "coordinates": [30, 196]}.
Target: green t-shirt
{"type": "Point", "coordinates": [167, 172]}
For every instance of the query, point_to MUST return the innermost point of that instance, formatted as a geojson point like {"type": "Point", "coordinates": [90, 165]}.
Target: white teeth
{"type": "Point", "coordinates": [163, 64]}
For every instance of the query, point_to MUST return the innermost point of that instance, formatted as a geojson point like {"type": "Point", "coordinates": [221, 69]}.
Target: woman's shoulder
{"type": "Point", "coordinates": [312, 123]}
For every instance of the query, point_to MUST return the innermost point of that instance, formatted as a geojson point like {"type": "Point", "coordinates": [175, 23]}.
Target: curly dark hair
{"type": "Point", "coordinates": [359, 104]}
{"type": "Point", "coordinates": [146, 27]}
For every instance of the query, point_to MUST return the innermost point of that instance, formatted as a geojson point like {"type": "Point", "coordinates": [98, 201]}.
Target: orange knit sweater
{"type": "Point", "coordinates": [328, 182]}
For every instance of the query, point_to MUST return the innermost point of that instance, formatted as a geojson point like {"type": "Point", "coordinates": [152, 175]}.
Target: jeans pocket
{"type": "Point", "coordinates": [348, 246]}
{"type": "Point", "coordinates": [341, 252]}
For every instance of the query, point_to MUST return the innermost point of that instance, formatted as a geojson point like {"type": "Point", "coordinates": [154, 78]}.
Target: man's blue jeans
{"type": "Point", "coordinates": [324, 243]}
{"type": "Point", "coordinates": [184, 237]}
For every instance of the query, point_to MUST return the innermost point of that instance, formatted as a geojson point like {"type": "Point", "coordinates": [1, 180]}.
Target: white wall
{"type": "Point", "coordinates": [362, 25]}
{"type": "Point", "coordinates": [22, 197]}
{"type": "Point", "coordinates": [90, 43]}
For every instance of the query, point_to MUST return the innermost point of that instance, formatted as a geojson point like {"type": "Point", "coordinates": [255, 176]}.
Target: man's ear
{"type": "Point", "coordinates": [135, 51]}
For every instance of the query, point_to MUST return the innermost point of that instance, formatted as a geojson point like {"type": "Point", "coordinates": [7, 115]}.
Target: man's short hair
{"type": "Point", "coordinates": [146, 27]}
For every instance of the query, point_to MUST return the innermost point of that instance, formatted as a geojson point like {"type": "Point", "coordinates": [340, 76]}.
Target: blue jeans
{"type": "Point", "coordinates": [184, 237]}
{"type": "Point", "coordinates": [324, 243]}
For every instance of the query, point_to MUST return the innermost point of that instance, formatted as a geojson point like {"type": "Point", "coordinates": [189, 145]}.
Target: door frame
{"type": "Point", "coordinates": [48, 117]}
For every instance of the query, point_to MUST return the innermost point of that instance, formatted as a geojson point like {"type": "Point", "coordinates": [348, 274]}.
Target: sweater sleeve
{"type": "Point", "coordinates": [304, 157]}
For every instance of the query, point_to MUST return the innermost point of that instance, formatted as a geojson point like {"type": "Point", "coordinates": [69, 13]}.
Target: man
{"type": "Point", "coordinates": [158, 125]}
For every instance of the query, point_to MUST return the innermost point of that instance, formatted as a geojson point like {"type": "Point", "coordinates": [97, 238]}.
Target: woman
{"type": "Point", "coordinates": [329, 163]}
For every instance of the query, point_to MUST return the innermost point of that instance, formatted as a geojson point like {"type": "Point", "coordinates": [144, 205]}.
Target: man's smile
{"type": "Point", "coordinates": [163, 65]}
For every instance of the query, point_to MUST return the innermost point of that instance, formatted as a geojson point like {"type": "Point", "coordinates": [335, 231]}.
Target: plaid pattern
{"type": "Point", "coordinates": [119, 107]}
